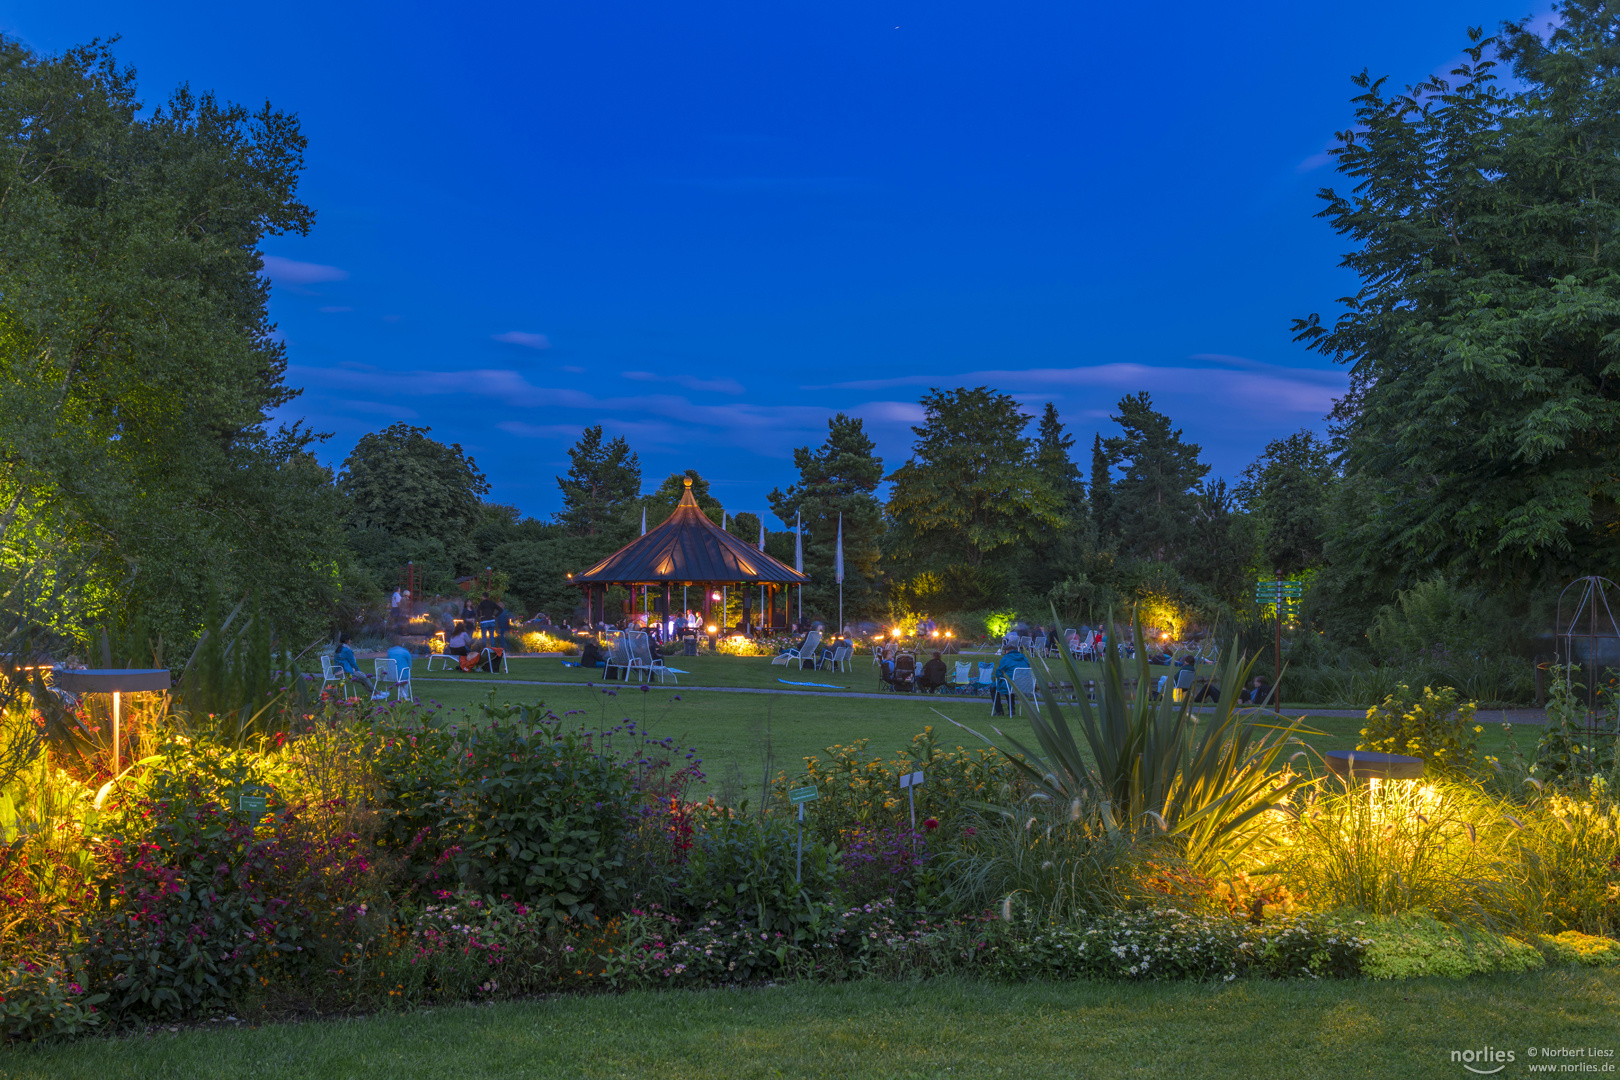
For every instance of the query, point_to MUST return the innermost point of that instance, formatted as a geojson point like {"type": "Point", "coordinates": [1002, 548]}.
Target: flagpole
{"type": "Point", "coordinates": [798, 557]}
{"type": "Point", "coordinates": [838, 570]}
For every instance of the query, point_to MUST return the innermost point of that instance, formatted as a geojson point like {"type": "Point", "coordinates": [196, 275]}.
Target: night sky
{"type": "Point", "coordinates": [710, 226]}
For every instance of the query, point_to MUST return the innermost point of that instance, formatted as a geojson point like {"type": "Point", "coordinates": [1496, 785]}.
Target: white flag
{"type": "Point", "coordinates": [838, 556]}
{"type": "Point", "coordinates": [798, 544]}
{"type": "Point", "coordinates": [762, 534]}
{"type": "Point", "coordinates": [722, 517]}
{"type": "Point", "coordinates": [643, 521]}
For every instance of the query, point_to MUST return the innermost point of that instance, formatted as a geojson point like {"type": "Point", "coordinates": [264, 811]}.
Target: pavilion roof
{"type": "Point", "coordinates": [688, 547]}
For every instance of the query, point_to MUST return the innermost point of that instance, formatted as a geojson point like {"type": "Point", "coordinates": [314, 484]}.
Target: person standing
{"type": "Point", "coordinates": [503, 623]}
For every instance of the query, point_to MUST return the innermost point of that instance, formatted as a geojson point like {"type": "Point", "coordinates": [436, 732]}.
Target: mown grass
{"type": "Point", "coordinates": [732, 731]}
{"type": "Point", "coordinates": [936, 1030]}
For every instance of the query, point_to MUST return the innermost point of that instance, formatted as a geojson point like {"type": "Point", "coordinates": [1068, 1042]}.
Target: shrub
{"type": "Point", "coordinates": [1431, 725]}
{"type": "Point", "coordinates": [1575, 743]}
{"type": "Point", "coordinates": [1415, 945]}
{"type": "Point", "coordinates": [857, 788]}
{"type": "Point", "coordinates": [1575, 949]}
{"type": "Point", "coordinates": [742, 869]}
{"type": "Point", "coordinates": [536, 641]}
{"type": "Point", "coordinates": [40, 1001]}
{"type": "Point", "coordinates": [204, 905]}
{"type": "Point", "coordinates": [518, 805]}
{"type": "Point", "coordinates": [1569, 844]}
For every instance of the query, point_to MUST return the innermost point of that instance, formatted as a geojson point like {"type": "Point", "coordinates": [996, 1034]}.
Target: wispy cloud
{"type": "Point", "coordinates": [292, 272]}
{"type": "Point", "coordinates": [520, 337]}
{"type": "Point", "coordinates": [1301, 390]}
{"type": "Point", "coordinates": [690, 382]}
{"type": "Point", "coordinates": [1314, 162]}
{"type": "Point", "coordinates": [334, 310]}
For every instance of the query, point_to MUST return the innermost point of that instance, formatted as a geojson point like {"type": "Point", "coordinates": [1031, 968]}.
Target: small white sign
{"type": "Point", "coordinates": [911, 779]}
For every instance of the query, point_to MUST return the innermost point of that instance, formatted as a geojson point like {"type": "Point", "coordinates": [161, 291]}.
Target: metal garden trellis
{"type": "Point", "coordinates": [1589, 634]}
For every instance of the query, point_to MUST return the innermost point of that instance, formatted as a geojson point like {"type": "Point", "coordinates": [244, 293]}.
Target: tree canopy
{"type": "Point", "coordinates": [603, 482]}
{"type": "Point", "coordinates": [138, 364]}
{"type": "Point", "coordinates": [1484, 337]}
{"type": "Point", "coordinates": [1152, 502]}
{"type": "Point", "coordinates": [838, 478]}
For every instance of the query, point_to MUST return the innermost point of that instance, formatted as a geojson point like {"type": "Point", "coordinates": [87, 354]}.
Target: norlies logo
{"type": "Point", "coordinates": [1487, 1055]}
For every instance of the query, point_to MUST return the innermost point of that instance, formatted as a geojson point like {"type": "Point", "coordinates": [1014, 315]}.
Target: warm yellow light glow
{"type": "Point", "coordinates": [711, 628]}
{"type": "Point", "coordinates": [714, 596]}
{"type": "Point", "coordinates": [948, 633]}
{"type": "Point", "coordinates": [936, 633]}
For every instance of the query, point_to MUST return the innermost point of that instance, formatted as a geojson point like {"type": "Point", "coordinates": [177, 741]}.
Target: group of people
{"type": "Point", "coordinates": [343, 657]}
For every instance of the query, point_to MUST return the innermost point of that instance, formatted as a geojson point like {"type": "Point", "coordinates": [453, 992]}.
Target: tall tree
{"type": "Point", "coordinates": [138, 363]}
{"type": "Point", "coordinates": [1154, 498]}
{"type": "Point", "coordinates": [971, 489]}
{"type": "Point", "coordinates": [1102, 487]}
{"type": "Point", "coordinates": [1053, 457]}
{"type": "Point", "coordinates": [402, 482]}
{"type": "Point", "coordinates": [839, 477]}
{"type": "Point", "coordinates": [1286, 491]}
{"type": "Point", "coordinates": [603, 481]}
{"type": "Point", "coordinates": [1484, 340]}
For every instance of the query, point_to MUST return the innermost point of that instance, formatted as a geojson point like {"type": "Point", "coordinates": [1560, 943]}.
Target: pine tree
{"type": "Point", "coordinates": [603, 482]}
{"type": "Point", "coordinates": [841, 476]}
{"type": "Point", "coordinates": [1155, 498]}
{"type": "Point", "coordinates": [1286, 491]}
{"type": "Point", "coordinates": [1102, 488]}
{"type": "Point", "coordinates": [971, 490]}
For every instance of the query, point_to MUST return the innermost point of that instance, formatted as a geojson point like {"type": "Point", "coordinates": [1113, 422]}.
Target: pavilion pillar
{"type": "Point", "coordinates": [708, 587]}
{"type": "Point", "coordinates": [588, 620]}
{"type": "Point", "coordinates": [669, 595]}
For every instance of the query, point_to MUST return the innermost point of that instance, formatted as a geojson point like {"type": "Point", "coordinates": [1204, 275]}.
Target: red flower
{"type": "Point", "coordinates": [930, 824]}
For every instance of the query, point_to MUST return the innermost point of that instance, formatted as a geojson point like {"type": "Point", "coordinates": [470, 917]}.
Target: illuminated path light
{"type": "Point", "coordinates": [114, 681]}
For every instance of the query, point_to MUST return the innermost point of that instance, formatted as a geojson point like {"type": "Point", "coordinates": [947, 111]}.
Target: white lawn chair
{"type": "Point", "coordinates": [807, 651]}
{"type": "Point", "coordinates": [391, 679]}
{"type": "Point", "coordinates": [1019, 681]}
{"type": "Point", "coordinates": [642, 659]}
{"type": "Point", "coordinates": [842, 656]}
{"type": "Point", "coordinates": [618, 658]}
{"type": "Point", "coordinates": [446, 660]}
{"type": "Point", "coordinates": [332, 672]}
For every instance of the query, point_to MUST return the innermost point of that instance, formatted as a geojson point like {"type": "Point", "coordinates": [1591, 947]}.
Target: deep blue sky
{"type": "Point", "coordinates": [710, 226]}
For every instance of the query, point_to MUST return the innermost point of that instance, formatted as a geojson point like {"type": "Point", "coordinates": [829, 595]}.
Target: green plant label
{"type": "Point", "coordinates": [252, 804]}
{"type": "Point", "coordinates": [803, 794]}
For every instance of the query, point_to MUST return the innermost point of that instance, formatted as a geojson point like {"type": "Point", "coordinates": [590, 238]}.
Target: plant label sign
{"type": "Point", "coordinates": [253, 805]}
{"type": "Point", "coordinates": [911, 780]}
{"type": "Point", "coordinates": [803, 794]}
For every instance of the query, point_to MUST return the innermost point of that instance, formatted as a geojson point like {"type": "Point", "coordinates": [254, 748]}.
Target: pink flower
{"type": "Point", "coordinates": [930, 824]}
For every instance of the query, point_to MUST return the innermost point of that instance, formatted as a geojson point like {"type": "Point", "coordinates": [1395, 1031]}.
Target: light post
{"type": "Point", "coordinates": [114, 681]}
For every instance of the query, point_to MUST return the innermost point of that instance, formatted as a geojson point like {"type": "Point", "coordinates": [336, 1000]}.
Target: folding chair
{"type": "Point", "coordinates": [332, 672]}
{"type": "Point", "coordinates": [1184, 683]}
{"type": "Point", "coordinates": [796, 657]}
{"type": "Point", "coordinates": [447, 661]}
{"type": "Point", "coordinates": [618, 658]}
{"type": "Point", "coordinates": [390, 679]}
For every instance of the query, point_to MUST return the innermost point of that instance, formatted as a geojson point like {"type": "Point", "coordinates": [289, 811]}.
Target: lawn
{"type": "Point", "coordinates": [941, 1029]}
{"type": "Point", "coordinates": [732, 731]}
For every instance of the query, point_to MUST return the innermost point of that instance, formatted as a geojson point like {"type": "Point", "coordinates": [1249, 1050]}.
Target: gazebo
{"type": "Point", "coordinates": [689, 550]}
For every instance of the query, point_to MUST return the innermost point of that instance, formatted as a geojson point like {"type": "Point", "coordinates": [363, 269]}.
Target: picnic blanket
{"type": "Point", "coordinates": [820, 685]}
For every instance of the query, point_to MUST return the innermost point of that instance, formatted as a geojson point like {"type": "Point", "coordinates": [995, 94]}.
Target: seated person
{"type": "Point", "coordinates": [458, 643]}
{"type": "Point", "coordinates": [343, 657]}
{"type": "Point", "coordinates": [933, 674]}
{"type": "Point", "coordinates": [1256, 694]}
{"type": "Point", "coordinates": [1210, 691]}
{"type": "Point", "coordinates": [590, 654]}
{"type": "Point", "coordinates": [401, 656]}
{"type": "Point", "coordinates": [1010, 660]}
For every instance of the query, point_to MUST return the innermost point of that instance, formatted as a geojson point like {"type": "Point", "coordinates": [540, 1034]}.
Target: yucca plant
{"type": "Point", "coordinates": [1157, 765]}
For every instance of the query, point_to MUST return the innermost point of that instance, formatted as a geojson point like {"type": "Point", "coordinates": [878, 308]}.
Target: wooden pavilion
{"type": "Point", "coordinates": [689, 550]}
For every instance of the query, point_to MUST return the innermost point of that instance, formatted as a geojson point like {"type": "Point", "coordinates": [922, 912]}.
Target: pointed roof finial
{"type": "Point", "coordinates": [688, 480]}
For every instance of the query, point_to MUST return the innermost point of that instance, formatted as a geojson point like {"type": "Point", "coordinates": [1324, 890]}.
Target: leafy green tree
{"type": "Point", "coordinates": [1156, 497]}
{"type": "Point", "coordinates": [972, 489]}
{"type": "Point", "coordinates": [839, 477]}
{"type": "Point", "coordinates": [602, 485]}
{"type": "Point", "coordinates": [138, 368]}
{"type": "Point", "coordinates": [1484, 339]}
{"type": "Point", "coordinates": [1286, 492]}
{"type": "Point", "coordinates": [1046, 560]}
{"type": "Point", "coordinates": [408, 485]}
{"type": "Point", "coordinates": [1219, 553]}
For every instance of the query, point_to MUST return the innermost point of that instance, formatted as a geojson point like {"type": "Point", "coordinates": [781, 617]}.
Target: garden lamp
{"type": "Point", "coordinates": [114, 681]}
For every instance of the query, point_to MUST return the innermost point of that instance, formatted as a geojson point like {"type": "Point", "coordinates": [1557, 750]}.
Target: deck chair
{"type": "Point", "coordinates": [1184, 683]}
{"type": "Point", "coordinates": [447, 661]}
{"type": "Point", "coordinates": [796, 657]}
{"type": "Point", "coordinates": [1158, 688]}
{"type": "Point", "coordinates": [618, 657]}
{"type": "Point", "coordinates": [1017, 681]}
{"type": "Point", "coordinates": [840, 658]}
{"type": "Point", "coordinates": [962, 680]}
{"type": "Point", "coordinates": [390, 680]}
{"type": "Point", "coordinates": [642, 659]}
{"type": "Point", "coordinates": [332, 672]}
{"type": "Point", "coordinates": [904, 676]}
